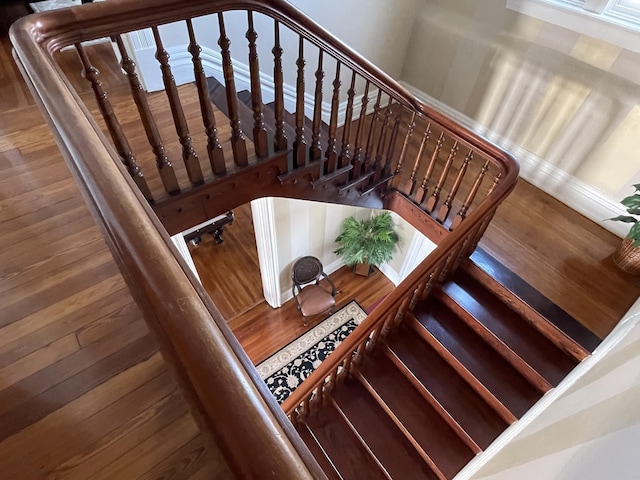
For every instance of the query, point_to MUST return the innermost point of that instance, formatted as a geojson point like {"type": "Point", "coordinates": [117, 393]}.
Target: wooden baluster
{"type": "Point", "coordinates": [331, 153]}
{"type": "Point", "coordinates": [435, 196]}
{"type": "Point", "coordinates": [238, 142]}
{"type": "Point", "coordinates": [446, 206]}
{"type": "Point", "coordinates": [315, 150]}
{"type": "Point", "coordinates": [362, 120]}
{"type": "Point", "coordinates": [316, 399]}
{"type": "Point", "coordinates": [120, 141]}
{"type": "Point", "coordinates": [449, 264]}
{"type": "Point", "coordinates": [167, 175]}
{"type": "Point", "coordinates": [374, 336]}
{"type": "Point", "coordinates": [434, 279]}
{"type": "Point", "coordinates": [359, 355]}
{"type": "Point", "coordinates": [280, 139]}
{"type": "Point", "coordinates": [260, 141]}
{"type": "Point", "coordinates": [346, 368]}
{"type": "Point", "coordinates": [403, 151]}
{"type": "Point", "coordinates": [422, 189]}
{"type": "Point", "coordinates": [372, 130]}
{"type": "Point", "coordinates": [214, 148]}
{"type": "Point", "coordinates": [382, 139]}
{"type": "Point", "coordinates": [417, 293]}
{"type": "Point", "coordinates": [496, 182]}
{"type": "Point", "coordinates": [462, 214]}
{"type": "Point", "coordinates": [387, 326]}
{"type": "Point", "coordinates": [392, 144]}
{"type": "Point", "coordinates": [300, 143]}
{"type": "Point", "coordinates": [294, 418]}
{"type": "Point", "coordinates": [410, 184]}
{"type": "Point", "coordinates": [399, 317]}
{"type": "Point", "coordinates": [305, 408]}
{"type": "Point", "coordinates": [188, 153]}
{"type": "Point", "coordinates": [345, 150]}
{"type": "Point", "coordinates": [329, 385]}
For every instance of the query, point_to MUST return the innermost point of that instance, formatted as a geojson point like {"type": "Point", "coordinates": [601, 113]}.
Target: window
{"type": "Point", "coordinates": [614, 21]}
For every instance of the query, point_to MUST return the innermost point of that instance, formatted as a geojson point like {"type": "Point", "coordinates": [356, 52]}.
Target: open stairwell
{"type": "Point", "coordinates": [442, 365]}
{"type": "Point", "coordinates": [464, 365]}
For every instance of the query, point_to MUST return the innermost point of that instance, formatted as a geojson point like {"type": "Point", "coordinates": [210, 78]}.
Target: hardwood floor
{"type": "Point", "coordinates": [263, 330]}
{"type": "Point", "coordinates": [564, 256]}
{"type": "Point", "coordinates": [230, 271]}
{"type": "Point", "coordinates": [84, 394]}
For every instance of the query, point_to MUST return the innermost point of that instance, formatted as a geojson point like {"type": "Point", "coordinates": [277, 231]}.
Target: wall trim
{"type": "Point", "coordinates": [332, 267]}
{"type": "Point", "coordinates": [605, 26]}
{"type": "Point", "coordinates": [631, 320]}
{"type": "Point", "coordinates": [183, 249]}
{"type": "Point", "coordinates": [142, 49]}
{"type": "Point", "coordinates": [262, 211]}
{"type": "Point", "coordinates": [591, 202]}
{"type": "Point", "coordinates": [390, 272]}
{"type": "Point", "coordinates": [419, 248]}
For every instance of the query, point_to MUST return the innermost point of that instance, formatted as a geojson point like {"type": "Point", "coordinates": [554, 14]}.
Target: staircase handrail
{"type": "Point", "coordinates": [228, 399]}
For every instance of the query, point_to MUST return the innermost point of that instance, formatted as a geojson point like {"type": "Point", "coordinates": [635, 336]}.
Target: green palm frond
{"type": "Point", "coordinates": [372, 240]}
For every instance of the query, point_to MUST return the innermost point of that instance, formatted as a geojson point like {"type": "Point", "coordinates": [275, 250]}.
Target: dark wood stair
{"type": "Point", "coordinates": [465, 364]}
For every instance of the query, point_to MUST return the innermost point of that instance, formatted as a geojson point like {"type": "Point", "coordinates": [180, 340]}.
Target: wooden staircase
{"type": "Point", "coordinates": [380, 148]}
{"type": "Point", "coordinates": [463, 366]}
{"type": "Point", "coordinates": [466, 363]}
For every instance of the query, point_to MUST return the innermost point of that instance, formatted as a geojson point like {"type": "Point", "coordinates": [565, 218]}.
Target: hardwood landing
{"type": "Point", "coordinates": [84, 393]}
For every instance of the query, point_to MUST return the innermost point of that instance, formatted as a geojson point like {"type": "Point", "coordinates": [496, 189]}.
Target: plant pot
{"type": "Point", "coordinates": [627, 257]}
{"type": "Point", "coordinates": [363, 269]}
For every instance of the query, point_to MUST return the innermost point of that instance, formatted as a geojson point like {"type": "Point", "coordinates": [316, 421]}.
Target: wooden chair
{"type": "Point", "coordinates": [311, 293]}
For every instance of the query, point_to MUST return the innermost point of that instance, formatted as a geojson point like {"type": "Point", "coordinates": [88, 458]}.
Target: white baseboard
{"type": "Point", "coordinates": [142, 49]}
{"type": "Point", "coordinates": [583, 198]}
{"type": "Point", "coordinates": [388, 272]}
{"type": "Point", "coordinates": [332, 267]}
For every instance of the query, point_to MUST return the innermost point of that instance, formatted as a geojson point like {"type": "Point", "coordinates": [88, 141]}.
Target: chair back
{"type": "Point", "coordinates": [306, 270]}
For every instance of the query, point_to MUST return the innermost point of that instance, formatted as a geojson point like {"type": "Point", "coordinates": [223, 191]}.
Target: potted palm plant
{"type": "Point", "coordinates": [627, 256]}
{"type": "Point", "coordinates": [366, 243]}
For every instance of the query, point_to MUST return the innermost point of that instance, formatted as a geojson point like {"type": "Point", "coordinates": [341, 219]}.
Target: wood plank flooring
{"type": "Point", "coordinates": [84, 393]}
{"type": "Point", "coordinates": [563, 255]}
{"type": "Point", "coordinates": [230, 271]}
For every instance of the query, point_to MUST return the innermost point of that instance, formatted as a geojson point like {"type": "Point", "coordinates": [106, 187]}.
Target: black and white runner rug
{"type": "Point", "coordinates": [289, 367]}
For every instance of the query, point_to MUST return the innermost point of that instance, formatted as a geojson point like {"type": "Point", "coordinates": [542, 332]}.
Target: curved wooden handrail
{"type": "Point", "coordinates": [227, 397]}
{"type": "Point", "coordinates": [243, 422]}
{"type": "Point", "coordinates": [57, 29]}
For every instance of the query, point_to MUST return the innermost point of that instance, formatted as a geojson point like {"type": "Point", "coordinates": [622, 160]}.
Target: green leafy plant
{"type": "Point", "coordinates": [632, 202]}
{"type": "Point", "coordinates": [371, 241]}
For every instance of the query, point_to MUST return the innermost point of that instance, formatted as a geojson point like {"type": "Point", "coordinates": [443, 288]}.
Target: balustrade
{"type": "Point", "coordinates": [387, 157]}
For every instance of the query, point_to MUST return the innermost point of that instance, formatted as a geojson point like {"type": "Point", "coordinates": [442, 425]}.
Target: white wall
{"type": "Point", "coordinates": [371, 27]}
{"type": "Point", "coordinates": [591, 428]}
{"type": "Point", "coordinates": [310, 228]}
{"type": "Point", "coordinates": [566, 104]}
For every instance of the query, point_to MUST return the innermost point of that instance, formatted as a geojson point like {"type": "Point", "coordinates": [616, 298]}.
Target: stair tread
{"type": "Point", "coordinates": [471, 412]}
{"type": "Point", "coordinates": [532, 297]}
{"type": "Point", "coordinates": [218, 95]}
{"type": "Point", "coordinates": [427, 427]}
{"type": "Point", "coordinates": [385, 440]}
{"type": "Point", "coordinates": [495, 373]}
{"type": "Point", "coordinates": [267, 114]}
{"type": "Point", "coordinates": [527, 342]}
{"type": "Point", "coordinates": [316, 450]}
{"type": "Point", "coordinates": [289, 129]}
{"type": "Point", "coordinates": [341, 445]}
